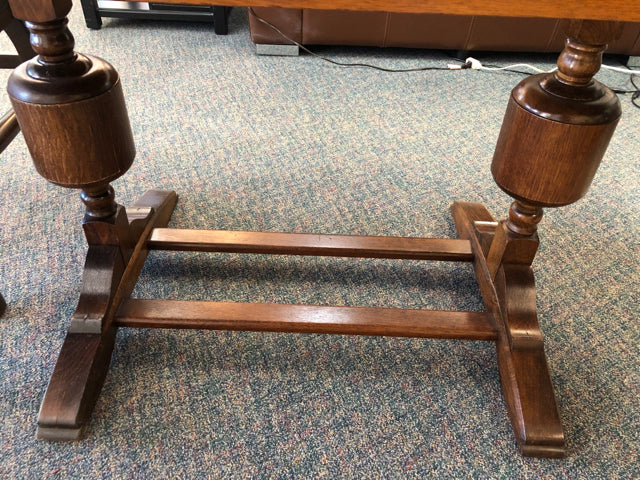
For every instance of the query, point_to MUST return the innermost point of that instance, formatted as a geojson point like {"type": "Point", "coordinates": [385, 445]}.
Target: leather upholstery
{"type": "Point", "coordinates": [448, 32]}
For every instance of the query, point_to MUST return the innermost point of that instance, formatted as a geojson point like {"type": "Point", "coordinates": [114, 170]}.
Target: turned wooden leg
{"type": "Point", "coordinates": [524, 373]}
{"type": "Point", "coordinates": [554, 135]}
{"type": "Point", "coordinates": [71, 110]}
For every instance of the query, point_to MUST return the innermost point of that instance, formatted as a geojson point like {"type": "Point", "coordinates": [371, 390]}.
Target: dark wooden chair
{"type": "Point", "coordinates": [19, 36]}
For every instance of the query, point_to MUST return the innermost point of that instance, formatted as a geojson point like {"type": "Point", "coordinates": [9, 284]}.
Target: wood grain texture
{"type": "Point", "coordinates": [103, 269]}
{"type": "Point", "coordinates": [559, 159]}
{"type": "Point", "coordinates": [71, 110]}
{"type": "Point", "coordinates": [153, 209]}
{"type": "Point", "coordinates": [621, 10]}
{"type": "Point", "coordinates": [75, 385]}
{"type": "Point", "coordinates": [558, 125]}
{"type": "Point", "coordinates": [86, 352]}
{"type": "Point", "coordinates": [311, 244]}
{"type": "Point", "coordinates": [9, 128]}
{"type": "Point", "coordinates": [79, 147]}
{"type": "Point", "coordinates": [524, 373]}
{"type": "Point", "coordinates": [271, 317]}
{"type": "Point", "coordinates": [87, 142]}
{"type": "Point", "coordinates": [40, 10]}
{"type": "Point", "coordinates": [466, 215]}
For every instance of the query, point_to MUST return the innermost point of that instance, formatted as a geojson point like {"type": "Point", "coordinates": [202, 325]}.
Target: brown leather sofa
{"type": "Point", "coordinates": [447, 32]}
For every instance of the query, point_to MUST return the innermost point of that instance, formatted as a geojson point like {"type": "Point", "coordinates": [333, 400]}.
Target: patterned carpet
{"type": "Point", "coordinates": [295, 144]}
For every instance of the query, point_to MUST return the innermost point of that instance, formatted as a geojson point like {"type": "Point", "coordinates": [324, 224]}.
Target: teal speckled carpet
{"type": "Point", "coordinates": [294, 144]}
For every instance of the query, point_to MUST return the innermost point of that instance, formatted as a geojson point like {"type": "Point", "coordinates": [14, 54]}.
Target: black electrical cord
{"type": "Point", "coordinates": [342, 64]}
{"type": "Point", "coordinates": [635, 94]}
{"type": "Point", "coordinates": [635, 97]}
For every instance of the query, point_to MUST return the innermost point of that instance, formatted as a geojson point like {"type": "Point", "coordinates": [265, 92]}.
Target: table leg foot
{"type": "Point", "coordinates": [466, 214]}
{"type": "Point", "coordinates": [524, 373]}
{"type": "Point", "coordinates": [75, 385]}
{"type": "Point", "coordinates": [531, 402]}
{"type": "Point", "coordinates": [111, 272]}
{"type": "Point", "coordinates": [511, 299]}
{"type": "Point", "coordinates": [474, 222]}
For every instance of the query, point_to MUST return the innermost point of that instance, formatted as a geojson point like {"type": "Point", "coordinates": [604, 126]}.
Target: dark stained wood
{"type": "Point", "coordinates": [563, 151]}
{"type": "Point", "coordinates": [311, 244]}
{"type": "Point", "coordinates": [18, 35]}
{"type": "Point", "coordinates": [622, 10]}
{"type": "Point", "coordinates": [271, 317]}
{"type": "Point", "coordinates": [9, 128]}
{"type": "Point", "coordinates": [70, 151]}
{"type": "Point", "coordinates": [87, 141]}
{"type": "Point", "coordinates": [567, 119]}
{"type": "Point", "coordinates": [84, 358]}
{"type": "Point", "coordinates": [554, 135]}
{"type": "Point", "coordinates": [524, 373]}
{"type": "Point", "coordinates": [152, 210]}
{"type": "Point", "coordinates": [9, 61]}
{"type": "Point", "coordinates": [509, 295]}
{"type": "Point", "coordinates": [465, 217]}
{"type": "Point", "coordinates": [582, 57]}
{"type": "Point", "coordinates": [40, 11]}
{"type": "Point", "coordinates": [510, 247]}
{"type": "Point", "coordinates": [515, 240]}
{"type": "Point", "coordinates": [524, 219]}
{"type": "Point", "coordinates": [75, 385]}
{"type": "Point", "coordinates": [103, 269]}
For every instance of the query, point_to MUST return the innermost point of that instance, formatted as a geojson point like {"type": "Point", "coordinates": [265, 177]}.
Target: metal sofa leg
{"type": "Point", "coordinates": [286, 50]}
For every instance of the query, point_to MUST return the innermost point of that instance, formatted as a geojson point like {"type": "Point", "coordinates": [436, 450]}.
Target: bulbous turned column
{"type": "Point", "coordinates": [554, 135]}
{"type": "Point", "coordinates": [557, 128]}
{"type": "Point", "coordinates": [70, 107]}
{"type": "Point", "coordinates": [72, 113]}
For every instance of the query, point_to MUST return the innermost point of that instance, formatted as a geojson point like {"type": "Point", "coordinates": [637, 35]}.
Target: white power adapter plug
{"type": "Point", "coordinates": [475, 64]}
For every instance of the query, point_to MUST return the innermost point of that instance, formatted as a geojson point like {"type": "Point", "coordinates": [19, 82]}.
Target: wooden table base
{"type": "Point", "coordinates": [557, 126]}
{"type": "Point", "coordinates": [84, 358]}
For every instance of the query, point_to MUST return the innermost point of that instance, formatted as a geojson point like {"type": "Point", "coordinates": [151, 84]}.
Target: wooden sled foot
{"type": "Point", "coordinates": [524, 373]}
{"type": "Point", "coordinates": [508, 289]}
{"type": "Point", "coordinates": [111, 270]}
{"type": "Point", "coordinates": [531, 402]}
{"type": "Point", "coordinates": [75, 385]}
